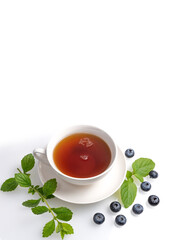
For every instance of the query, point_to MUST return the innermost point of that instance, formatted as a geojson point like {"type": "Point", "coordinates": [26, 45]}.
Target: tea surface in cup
{"type": "Point", "coordinates": [82, 155]}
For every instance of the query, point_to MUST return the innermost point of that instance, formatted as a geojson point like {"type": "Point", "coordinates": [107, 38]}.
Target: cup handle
{"type": "Point", "coordinates": [40, 154]}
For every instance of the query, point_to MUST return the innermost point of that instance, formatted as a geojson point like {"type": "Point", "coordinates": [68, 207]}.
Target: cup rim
{"type": "Point", "coordinates": [49, 150]}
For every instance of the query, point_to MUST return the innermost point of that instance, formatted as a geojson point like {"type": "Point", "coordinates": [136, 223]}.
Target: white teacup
{"type": "Point", "coordinates": [46, 155]}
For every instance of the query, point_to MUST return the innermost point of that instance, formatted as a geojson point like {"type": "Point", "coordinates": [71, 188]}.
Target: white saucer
{"type": "Point", "coordinates": [89, 193]}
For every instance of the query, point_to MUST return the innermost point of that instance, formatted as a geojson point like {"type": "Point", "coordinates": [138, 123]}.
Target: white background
{"type": "Point", "coordinates": [112, 64]}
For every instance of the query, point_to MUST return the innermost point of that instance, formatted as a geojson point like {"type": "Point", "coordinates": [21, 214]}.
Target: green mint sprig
{"type": "Point", "coordinates": [46, 192]}
{"type": "Point", "coordinates": [141, 168]}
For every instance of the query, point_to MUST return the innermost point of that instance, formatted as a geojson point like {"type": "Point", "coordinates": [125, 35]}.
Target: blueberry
{"type": "Point", "coordinates": [145, 186]}
{"type": "Point", "coordinates": [120, 220]}
{"type": "Point", "coordinates": [98, 218]}
{"type": "Point", "coordinates": [115, 206]}
{"type": "Point", "coordinates": [129, 153]}
{"type": "Point", "coordinates": [153, 174]}
{"type": "Point", "coordinates": [153, 200]}
{"type": "Point", "coordinates": [137, 208]}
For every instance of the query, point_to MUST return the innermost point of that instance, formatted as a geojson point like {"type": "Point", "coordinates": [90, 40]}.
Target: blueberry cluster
{"type": "Point", "coordinates": [115, 206]}
{"type": "Point", "coordinates": [137, 208]}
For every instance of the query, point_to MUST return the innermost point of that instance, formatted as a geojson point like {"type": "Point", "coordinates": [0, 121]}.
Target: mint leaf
{"type": "Point", "coordinates": [64, 228]}
{"type": "Point", "coordinates": [47, 197]}
{"type": "Point", "coordinates": [9, 185]}
{"type": "Point", "coordinates": [59, 227]}
{"type": "Point", "coordinates": [128, 174]}
{"type": "Point", "coordinates": [143, 166]}
{"type": "Point", "coordinates": [31, 203]}
{"type": "Point", "coordinates": [39, 210]}
{"type": "Point", "coordinates": [131, 179]}
{"type": "Point", "coordinates": [50, 196]}
{"type": "Point", "coordinates": [128, 193]}
{"type": "Point", "coordinates": [27, 162]}
{"type": "Point", "coordinates": [48, 228]}
{"type": "Point", "coordinates": [23, 180]}
{"type": "Point", "coordinates": [50, 187]}
{"type": "Point", "coordinates": [62, 234]}
{"type": "Point", "coordinates": [40, 190]}
{"type": "Point", "coordinates": [67, 228]}
{"type": "Point", "coordinates": [31, 190]}
{"type": "Point", "coordinates": [141, 179]}
{"type": "Point", "coordinates": [63, 213]}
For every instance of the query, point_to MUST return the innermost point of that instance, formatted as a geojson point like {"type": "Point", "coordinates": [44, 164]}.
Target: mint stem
{"type": "Point", "coordinates": [22, 178]}
{"type": "Point", "coordinates": [44, 200]}
{"type": "Point", "coordinates": [19, 170]}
